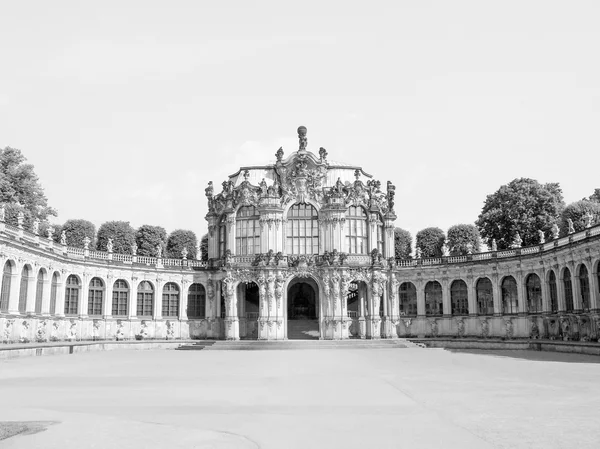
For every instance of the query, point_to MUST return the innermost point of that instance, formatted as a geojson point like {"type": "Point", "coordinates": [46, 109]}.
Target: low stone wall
{"type": "Point", "coordinates": [37, 349]}
{"type": "Point", "coordinates": [493, 344]}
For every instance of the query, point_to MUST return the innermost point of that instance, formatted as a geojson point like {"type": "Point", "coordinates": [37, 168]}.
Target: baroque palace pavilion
{"type": "Point", "coordinates": [302, 247]}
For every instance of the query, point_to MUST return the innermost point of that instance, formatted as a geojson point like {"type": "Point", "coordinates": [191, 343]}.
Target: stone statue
{"type": "Point", "coordinates": [302, 138]}
{"type": "Point", "coordinates": [20, 219]}
{"type": "Point", "coordinates": [2, 212]}
{"type": "Point", "coordinates": [541, 236]}
{"type": "Point", "coordinates": [279, 154]}
{"type": "Point", "coordinates": [418, 253]}
{"type": "Point", "coordinates": [109, 245]}
{"type": "Point", "coordinates": [589, 219]}
{"type": "Point", "coordinates": [264, 190]}
{"type": "Point", "coordinates": [517, 241]}
{"type": "Point", "coordinates": [159, 251]}
{"type": "Point", "coordinates": [86, 242]}
{"type": "Point", "coordinates": [555, 231]}
{"type": "Point", "coordinates": [49, 232]}
{"type": "Point", "coordinates": [391, 193]}
{"type": "Point", "coordinates": [134, 249]}
{"type": "Point", "coordinates": [494, 245]}
{"type": "Point", "coordinates": [322, 153]}
{"type": "Point", "coordinates": [35, 227]}
{"type": "Point", "coordinates": [209, 191]}
{"type": "Point", "coordinates": [339, 186]}
{"type": "Point", "coordinates": [570, 224]}
{"type": "Point", "coordinates": [445, 251]}
{"type": "Point", "coordinates": [63, 238]}
{"type": "Point", "coordinates": [184, 253]}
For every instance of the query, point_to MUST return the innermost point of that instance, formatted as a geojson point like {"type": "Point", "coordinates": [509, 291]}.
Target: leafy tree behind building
{"type": "Point", "coordinates": [121, 233]}
{"type": "Point", "coordinates": [204, 248]}
{"type": "Point", "coordinates": [524, 206]}
{"type": "Point", "coordinates": [578, 212]}
{"type": "Point", "coordinates": [77, 230]}
{"type": "Point", "coordinates": [430, 242]}
{"type": "Point", "coordinates": [148, 237]}
{"type": "Point", "coordinates": [180, 239]}
{"type": "Point", "coordinates": [402, 243]}
{"type": "Point", "coordinates": [463, 238]}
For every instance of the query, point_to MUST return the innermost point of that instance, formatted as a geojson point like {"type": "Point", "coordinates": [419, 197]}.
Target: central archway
{"type": "Point", "coordinates": [303, 309]}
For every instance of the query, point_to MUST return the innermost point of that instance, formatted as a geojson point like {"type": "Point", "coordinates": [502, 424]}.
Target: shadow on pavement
{"type": "Point", "coordinates": [538, 356]}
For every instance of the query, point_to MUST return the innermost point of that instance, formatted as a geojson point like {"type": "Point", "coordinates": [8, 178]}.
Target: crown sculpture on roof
{"type": "Point", "coordinates": [301, 177]}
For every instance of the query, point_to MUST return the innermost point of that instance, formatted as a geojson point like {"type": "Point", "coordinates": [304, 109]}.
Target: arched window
{"type": "Point", "coordinates": [302, 230]}
{"type": "Point", "coordinates": [247, 231]}
{"type": "Point", "coordinates": [6, 280]}
{"type": "Point", "coordinates": [72, 295]}
{"type": "Point", "coordinates": [485, 297]}
{"type": "Point", "coordinates": [145, 299]}
{"type": "Point", "coordinates": [95, 296]}
{"type": "Point", "coordinates": [433, 298]}
{"type": "Point", "coordinates": [222, 235]}
{"type": "Point", "coordinates": [24, 288]}
{"type": "Point", "coordinates": [53, 293]}
{"type": "Point", "coordinates": [459, 298]}
{"type": "Point", "coordinates": [510, 301]}
{"type": "Point", "coordinates": [584, 285]}
{"type": "Point", "coordinates": [39, 292]}
{"type": "Point", "coordinates": [196, 306]}
{"type": "Point", "coordinates": [356, 236]}
{"type": "Point", "coordinates": [120, 301]}
{"type": "Point", "coordinates": [408, 299]}
{"type": "Point", "coordinates": [568, 290]}
{"type": "Point", "coordinates": [170, 300]}
{"type": "Point", "coordinates": [534, 293]}
{"type": "Point", "coordinates": [553, 292]}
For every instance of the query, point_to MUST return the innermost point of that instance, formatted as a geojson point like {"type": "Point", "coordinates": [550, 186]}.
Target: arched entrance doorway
{"type": "Point", "coordinates": [248, 299]}
{"type": "Point", "coordinates": [303, 309]}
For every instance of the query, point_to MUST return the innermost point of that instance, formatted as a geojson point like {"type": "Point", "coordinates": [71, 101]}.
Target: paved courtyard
{"type": "Point", "coordinates": [350, 398]}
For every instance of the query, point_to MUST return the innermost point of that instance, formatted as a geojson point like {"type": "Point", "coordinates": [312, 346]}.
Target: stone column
{"type": "Point", "coordinates": [108, 297]}
{"type": "Point", "coordinates": [374, 320]}
{"type": "Point", "coordinates": [362, 331]}
{"type": "Point", "coordinates": [132, 305]}
{"type": "Point", "coordinates": [157, 312]}
{"type": "Point", "coordinates": [419, 285]}
{"type": "Point", "coordinates": [546, 308]}
{"type": "Point", "coordinates": [560, 290]}
{"type": "Point", "coordinates": [577, 302]}
{"type": "Point", "coordinates": [211, 309]}
{"type": "Point", "coordinates": [263, 307]}
{"type": "Point", "coordinates": [446, 301]}
{"type": "Point", "coordinates": [232, 329]}
{"type": "Point", "coordinates": [230, 244]}
{"type": "Point", "coordinates": [521, 294]}
{"type": "Point", "coordinates": [497, 294]}
{"type": "Point", "coordinates": [472, 295]}
{"type": "Point", "coordinates": [60, 295]}
{"type": "Point", "coordinates": [46, 294]}
{"type": "Point", "coordinates": [82, 307]}
{"type": "Point", "coordinates": [183, 300]}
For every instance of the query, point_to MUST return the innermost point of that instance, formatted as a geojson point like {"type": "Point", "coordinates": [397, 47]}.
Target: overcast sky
{"type": "Point", "coordinates": [127, 109]}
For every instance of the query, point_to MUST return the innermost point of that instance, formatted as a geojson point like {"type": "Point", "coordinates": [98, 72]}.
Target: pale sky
{"type": "Point", "coordinates": [127, 109]}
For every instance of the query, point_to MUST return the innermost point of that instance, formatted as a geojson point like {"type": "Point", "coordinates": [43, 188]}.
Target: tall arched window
{"type": "Point", "coordinates": [408, 299]}
{"type": "Point", "coordinates": [24, 288]}
{"type": "Point", "coordinates": [247, 231]}
{"type": "Point", "coordinates": [485, 297]}
{"type": "Point", "coordinates": [356, 236]}
{"type": "Point", "coordinates": [6, 280]}
{"type": "Point", "coordinates": [120, 301]}
{"type": "Point", "coordinates": [534, 293]}
{"type": "Point", "coordinates": [72, 295]}
{"type": "Point", "coordinates": [433, 298]}
{"type": "Point", "coordinates": [302, 230]}
{"type": "Point", "coordinates": [459, 298]}
{"type": "Point", "coordinates": [53, 293]}
{"type": "Point", "coordinates": [95, 296]}
{"type": "Point", "coordinates": [568, 290]}
{"type": "Point", "coordinates": [584, 286]}
{"type": "Point", "coordinates": [145, 299]}
{"type": "Point", "coordinates": [39, 292]}
{"type": "Point", "coordinates": [222, 235]}
{"type": "Point", "coordinates": [170, 300]}
{"type": "Point", "coordinates": [553, 292]}
{"type": "Point", "coordinates": [510, 301]}
{"type": "Point", "coordinates": [196, 306]}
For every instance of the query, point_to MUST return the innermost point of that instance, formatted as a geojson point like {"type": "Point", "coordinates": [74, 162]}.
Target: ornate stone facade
{"type": "Point", "coordinates": [302, 238]}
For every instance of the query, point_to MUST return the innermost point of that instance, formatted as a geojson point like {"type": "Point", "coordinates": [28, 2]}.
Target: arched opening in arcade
{"type": "Point", "coordinates": [356, 306]}
{"type": "Point", "coordinates": [248, 300]}
{"type": "Point", "coordinates": [303, 309]}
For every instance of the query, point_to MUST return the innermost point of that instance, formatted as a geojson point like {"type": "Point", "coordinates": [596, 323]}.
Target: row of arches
{"type": "Point", "coordinates": [302, 231]}
{"type": "Point", "coordinates": [508, 292]}
{"type": "Point", "coordinates": [96, 289]}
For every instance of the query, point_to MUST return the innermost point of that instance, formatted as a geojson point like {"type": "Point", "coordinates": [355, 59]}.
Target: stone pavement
{"type": "Point", "coordinates": [384, 398]}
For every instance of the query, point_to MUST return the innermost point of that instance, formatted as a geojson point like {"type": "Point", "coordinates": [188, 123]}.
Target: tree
{"type": "Point", "coordinates": [20, 189]}
{"type": "Point", "coordinates": [595, 197]}
{"type": "Point", "coordinates": [148, 237]}
{"type": "Point", "coordinates": [524, 206]}
{"type": "Point", "coordinates": [462, 239]}
{"type": "Point", "coordinates": [180, 239]}
{"type": "Point", "coordinates": [430, 241]}
{"type": "Point", "coordinates": [77, 230]}
{"type": "Point", "coordinates": [577, 212]}
{"type": "Point", "coordinates": [44, 225]}
{"type": "Point", "coordinates": [204, 247]}
{"type": "Point", "coordinates": [121, 233]}
{"type": "Point", "coordinates": [402, 243]}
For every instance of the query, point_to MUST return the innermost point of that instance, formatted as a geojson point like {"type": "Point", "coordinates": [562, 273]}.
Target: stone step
{"type": "Point", "coordinates": [298, 344]}
{"type": "Point", "coordinates": [303, 329]}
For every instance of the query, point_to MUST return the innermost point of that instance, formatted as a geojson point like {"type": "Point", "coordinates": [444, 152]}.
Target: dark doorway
{"type": "Point", "coordinates": [302, 310]}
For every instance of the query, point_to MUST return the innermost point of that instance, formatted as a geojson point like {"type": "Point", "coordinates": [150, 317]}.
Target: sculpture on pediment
{"type": "Point", "coordinates": [589, 219]}
{"type": "Point", "coordinates": [555, 231]}
{"type": "Point", "coordinates": [391, 193]}
{"type": "Point", "coordinates": [63, 238]}
{"type": "Point", "coordinates": [302, 138]}
{"type": "Point", "coordinates": [279, 154]}
{"type": "Point", "coordinates": [264, 190]}
{"type": "Point", "coordinates": [322, 153]}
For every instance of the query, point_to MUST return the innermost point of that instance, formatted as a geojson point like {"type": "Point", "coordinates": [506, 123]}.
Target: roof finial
{"type": "Point", "coordinates": [302, 137]}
